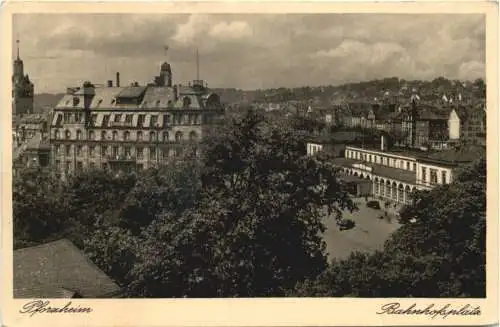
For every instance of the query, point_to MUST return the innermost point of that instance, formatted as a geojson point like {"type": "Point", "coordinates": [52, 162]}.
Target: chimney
{"type": "Point", "coordinates": [110, 83]}
{"type": "Point", "coordinates": [176, 95]}
{"type": "Point", "coordinates": [383, 143]}
{"type": "Point", "coordinates": [117, 79]}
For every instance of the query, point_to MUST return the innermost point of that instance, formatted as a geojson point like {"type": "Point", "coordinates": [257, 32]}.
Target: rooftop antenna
{"type": "Point", "coordinates": [197, 65]}
{"type": "Point", "coordinates": [17, 41]}
{"type": "Point", "coordinates": [165, 48]}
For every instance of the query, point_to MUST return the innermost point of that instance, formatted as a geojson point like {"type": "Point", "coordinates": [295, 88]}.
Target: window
{"type": "Point", "coordinates": [178, 119]}
{"type": "Point", "coordinates": [414, 166]}
{"type": "Point", "coordinates": [178, 136]}
{"type": "Point", "coordinates": [79, 165]}
{"type": "Point", "coordinates": [140, 153]}
{"type": "Point", "coordinates": [152, 152]}
{"type": "Point", "coordinates": [115, 135]}
{"type": "Point", "coordinates": [407, 165]}
{"type": "Point", "coordinates": [78, 134]}
{"type": "Point", "coordinates": [127, 152]}
{"type": "Point", "coordinates": [152, 136]}
{"type": "Point", "coordinates": [68, 165]}
{"type": "Point", "coordinates": [67, 117]}
{"type": "Point", "coordinates": [126, 135]}
{"type": "Point", "coordinates": [105, 121]}
{"type": "Point", "coordinates": [104, 151]}
{"type": "Point", "coordinates": [56, 134]}
{"type": "Point", "coordinates": [68, 150]}
{"type": "Point", "coordinates": [166, 120]}
{"type": "Point", "coordinates": [91, 135]}
{"type": "Point", "coordinates": [443, 177]}
{"type": "Point", "coordinates": [139, 136]}
{"type": "Point", "coordinates": [68, 135]}
{"type": "Point", "coordinates": [193, 136]}
{"type": "Point", "coordinates": [58, 164]}
{"type": "Point", "coordinates": [128, 119]}
{"type": "Point", "coordinates": [424, 173]}
{"type": "Point", "coordinates": [165, 136]}
{"type": "Point", "coordinates": [91, 150]}
{"type": "Point", "coordinates": [140, 120]}
{"type": "Point", "coordinates": [76, 101]}
{"type": "Point", "coordinates": [186, 102]}
{"type": "Point", "coordinates": [154, 121]}
{"type": "Point", "coordinates": [114, 151]}
{"type": "Point", "coordinates": [118, 118]}
{"type": "Point", "coordinates": [103, 135]}
{"type": "Point", "coordinates": [78, 117]}
{"type": "Point", "coordinates": [57, 149]}
{"type": "Point", "coordinates": [79, 150]}
{"type": "Point", "coordinates": [434, 176]}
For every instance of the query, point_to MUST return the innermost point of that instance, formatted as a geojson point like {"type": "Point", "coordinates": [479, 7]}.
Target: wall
{"type": "Point", "coordinates": [454, 126]}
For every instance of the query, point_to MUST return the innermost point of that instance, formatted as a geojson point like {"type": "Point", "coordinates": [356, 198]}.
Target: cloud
{"type": "Point", "coordinates": [231, 31]}
{"type": "Point", "coordinates": [250, 51]}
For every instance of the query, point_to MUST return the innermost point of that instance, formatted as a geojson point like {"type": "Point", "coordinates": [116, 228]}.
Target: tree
{"type": "Point", "coordinates": [440, 250]}
{"type": "Point", "coordinates": [38, 212]}
{"type": "Point", "coordinates": [173, 188]}
{"type": "Point", "coordinates": [255, 230]}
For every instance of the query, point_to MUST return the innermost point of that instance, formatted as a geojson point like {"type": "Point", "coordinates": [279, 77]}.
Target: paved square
{"type": "Point", "coordinates": [369, 234]}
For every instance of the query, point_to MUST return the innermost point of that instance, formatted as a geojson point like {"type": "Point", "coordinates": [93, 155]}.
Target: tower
{"type": "Point", "coordinates": [166, 74]}
{"type": "Point", "coordinates": [22, 88]}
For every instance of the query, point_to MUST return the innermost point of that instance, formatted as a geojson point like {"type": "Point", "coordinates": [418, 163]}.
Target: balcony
{"type": "Point", "coordinates": [121, 158]}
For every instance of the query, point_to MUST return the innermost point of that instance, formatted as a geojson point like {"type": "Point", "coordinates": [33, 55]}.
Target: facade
{"type": "Point", "coordinates": [473, 126]}
{"type": "Point", "coordinates": [22, 89]}
{"type": "Point", "coordinates": [134, 127]}
{"type": "Point", "coordinates": [395, 174]}
{"type": "Point", "coordinates": [28, 126]}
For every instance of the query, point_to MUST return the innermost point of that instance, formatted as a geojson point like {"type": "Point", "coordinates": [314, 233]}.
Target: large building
{"type": "Point", "coordinates": [22, 89]}
{"type": "Point", "coordinates": [132, 127]}
{"type": "Point", "coordinates": [395, 173]}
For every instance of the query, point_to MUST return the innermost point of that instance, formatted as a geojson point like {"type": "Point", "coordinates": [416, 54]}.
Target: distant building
{"type": "Point", "coordinates": [59, 270]}
{"type": "Point", "coordinates": [133, 127]}
{"type": "Point", "coordinates": [395, 173]}
{"type": "Point", "coordinates": [34, 153]}
{"type": "Point", "coordinates": [30, 125]}
{"type": "Point", "coordinates": [22, 89]}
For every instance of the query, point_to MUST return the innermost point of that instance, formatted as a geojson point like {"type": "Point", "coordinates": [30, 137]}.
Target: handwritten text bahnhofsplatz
{"type": "Point", "coordinates": [431, 310]}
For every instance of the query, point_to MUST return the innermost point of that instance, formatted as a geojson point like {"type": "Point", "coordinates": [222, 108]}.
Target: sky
{"type": "Point", "coordinates": [248, 51]}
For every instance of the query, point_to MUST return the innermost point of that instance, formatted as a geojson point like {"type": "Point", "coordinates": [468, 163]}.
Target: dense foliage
{"type": "Point", "coordinates": [246, 220]}
{"type": "Point", "coordinates": [440, 251]}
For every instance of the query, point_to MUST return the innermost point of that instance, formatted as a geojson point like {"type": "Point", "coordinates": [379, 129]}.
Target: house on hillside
{"type": "Point", "coordinates": [59, 270]}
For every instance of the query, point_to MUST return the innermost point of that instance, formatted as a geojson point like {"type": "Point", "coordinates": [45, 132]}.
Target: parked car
{"type": "Point", "coordinates": [373, 205]}
{"type": "Point", "coordinates": [346, 224]}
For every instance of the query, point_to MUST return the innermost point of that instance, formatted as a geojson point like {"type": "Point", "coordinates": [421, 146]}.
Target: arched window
{"type": "Point", "coordinates": [115, 135]}
{"type": "Point", "coordinates": [91, 135]}
{"type": "Point", "coordinates": [139, 136]}
{"type": "Point", "coordinates": [193, 136]}
{"type": "Point", "coordinates": [152, 136]}
{"type": "Point", "coordinates": [68, 134]}
{"type": "Point", "coordinates": [126, 135]}
{"type": "Point", "coordinates": [103, 135]}
{"type": "Point", "coordinates": [57, 134]}
{"type": "Point", "coordinates": [165, 136]}
{"type": "Point", "coordinates": [78, 134]}
{"type": "Point", "coordinates": [178, 136]}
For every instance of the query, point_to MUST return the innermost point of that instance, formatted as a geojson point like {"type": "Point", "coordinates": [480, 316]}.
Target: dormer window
{"type": "Point", "coordinates": [186, 102]}
{"type": "Point", "coordinates": [76, 101]}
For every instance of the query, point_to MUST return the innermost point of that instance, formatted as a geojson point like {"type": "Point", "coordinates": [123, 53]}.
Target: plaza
{"type": "Point", "coordinates": [369, 234]}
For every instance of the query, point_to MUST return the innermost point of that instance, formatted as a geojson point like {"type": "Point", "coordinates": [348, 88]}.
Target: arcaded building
{"type": "Point", "coordinates": [131, 127]}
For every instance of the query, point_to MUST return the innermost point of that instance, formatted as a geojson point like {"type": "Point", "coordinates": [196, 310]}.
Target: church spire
{"type": "Point", "coordinates": [17, 41]}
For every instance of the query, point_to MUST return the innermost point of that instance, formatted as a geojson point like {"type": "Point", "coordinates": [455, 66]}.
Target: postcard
{"type": "Point", "coordinates": [249, 164]}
